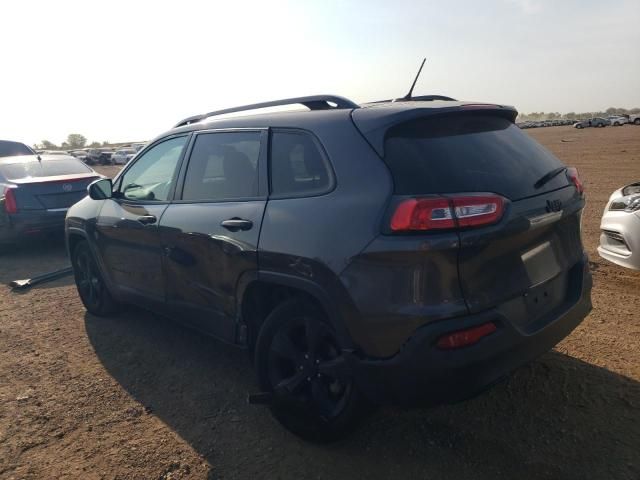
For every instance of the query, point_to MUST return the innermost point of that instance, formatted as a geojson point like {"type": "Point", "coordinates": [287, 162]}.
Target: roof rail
{"type": "Point", "coordinates": [421, 98]}
{"type": "Point", "coordinates": [313, 102]}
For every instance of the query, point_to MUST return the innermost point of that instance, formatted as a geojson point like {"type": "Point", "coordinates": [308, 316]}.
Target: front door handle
{"type": "Point", "coordinates": [235, 224]}
{"type": "Point", "coordinates": [147, 219]}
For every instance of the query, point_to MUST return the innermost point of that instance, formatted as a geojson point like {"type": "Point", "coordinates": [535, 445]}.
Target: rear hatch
{"type": "Point", "coordinates": [521, 256]}
{"type": "Point", "coordinates": [48, 184]}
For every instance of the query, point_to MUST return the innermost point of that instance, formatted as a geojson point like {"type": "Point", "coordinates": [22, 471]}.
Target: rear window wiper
{"type": "Point", "coordinates": [546, 178]}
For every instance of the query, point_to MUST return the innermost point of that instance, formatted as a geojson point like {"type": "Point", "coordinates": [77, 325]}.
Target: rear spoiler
{"type": "Point", "coordinates": [374, 122]}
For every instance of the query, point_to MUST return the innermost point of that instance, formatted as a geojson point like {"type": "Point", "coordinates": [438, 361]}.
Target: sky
{"type": "Point", "coordinates": [129, 70]}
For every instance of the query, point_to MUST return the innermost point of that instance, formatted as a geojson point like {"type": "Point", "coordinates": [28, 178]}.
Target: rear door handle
{"type": "Point", "coordinates": [235, 224]}
{"type": "Point", "coordinates": [147, 219]}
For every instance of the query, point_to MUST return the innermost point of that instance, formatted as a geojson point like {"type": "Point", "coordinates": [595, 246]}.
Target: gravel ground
{"type": "Point", "coordinates": [139, 397]}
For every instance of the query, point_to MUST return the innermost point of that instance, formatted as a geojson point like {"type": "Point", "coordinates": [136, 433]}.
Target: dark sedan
{"type": "Point", "coordinates": [37, 190]}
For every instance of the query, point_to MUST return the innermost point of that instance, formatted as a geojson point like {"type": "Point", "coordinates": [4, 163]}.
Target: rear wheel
{"type": "Point", "coordinates": [298, 359]}
{"type": "Point", "coordinates": [91, 287]}
{"type": "Point", "coordinates": [636, 121]}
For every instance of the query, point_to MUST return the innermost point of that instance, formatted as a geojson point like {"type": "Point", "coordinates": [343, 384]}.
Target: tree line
{"type": "Point", "coordinates": [75, 141]}
{"type": "Point", "coordinates": [537, 116]}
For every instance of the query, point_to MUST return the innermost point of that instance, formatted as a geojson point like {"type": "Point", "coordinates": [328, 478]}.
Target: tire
{"type": "Point", "coordinates": [296, 341]}
{"type": "Point", "coordinates": [636, 121]}
{"type": "Point", "coordinates": [90, 284]}
{"type": "Point", "coordinates": [579, 127]}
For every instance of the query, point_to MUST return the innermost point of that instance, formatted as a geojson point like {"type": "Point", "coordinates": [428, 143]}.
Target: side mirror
{"type": "Point", "coordinates": [100, 189]}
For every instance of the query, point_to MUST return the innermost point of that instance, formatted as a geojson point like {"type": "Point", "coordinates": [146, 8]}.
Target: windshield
{"type": "Point", "coordinates": [45, 168]}
{"type": "Point", "coordinates": [11, 149]}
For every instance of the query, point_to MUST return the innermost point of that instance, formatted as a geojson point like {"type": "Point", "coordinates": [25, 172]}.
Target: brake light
{"type": "Point", "coordinates": [464, 338]}
{"type": "Point", "coordinates": [572, 174]}
{"type": "Point", "coordinates": [421, 214]}
{"type": "Point", "coordinates": [10, 204]}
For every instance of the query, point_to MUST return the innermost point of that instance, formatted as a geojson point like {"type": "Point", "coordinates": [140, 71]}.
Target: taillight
{"type": "Point", "coordinates": [10, 204]}
{"type": "Point", "coordinates": [464, 338]}
{"type": "Point", "coordinates": [421, 214]}
{"type": "Point", "coordinates": [572, 174]}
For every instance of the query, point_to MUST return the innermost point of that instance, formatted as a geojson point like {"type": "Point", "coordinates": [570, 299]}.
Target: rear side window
{"type": "Point", "coordinates": [223, 166]}
{"type": "Point", "coordinates": [10, 149]}
{"type": "Point", "coordinates": [467, 153]}
{"type": "Point", "coordinates": [298, 167]}
{"type": "Point", "coordinates": [44, 168]}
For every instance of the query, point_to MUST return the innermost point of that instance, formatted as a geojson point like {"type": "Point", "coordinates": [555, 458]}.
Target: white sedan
{"type": "Point", "coordinates": [620, 228]}
{"type": "Point", "coordinates": [617, 120]}
{"type": "Point", "coordinates": [122, 156]}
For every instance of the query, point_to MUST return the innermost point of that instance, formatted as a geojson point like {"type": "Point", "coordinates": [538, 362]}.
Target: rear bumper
{"type": "Point", "coordinates": [16, 226]}
{"type": "Point", "coordinates": [422, 374]}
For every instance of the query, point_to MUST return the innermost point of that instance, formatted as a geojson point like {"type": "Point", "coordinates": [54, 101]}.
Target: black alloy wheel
{"type": "Point", "coordinates": [299, 359]}
{"type": "Point", "coordinates": [89, 282]}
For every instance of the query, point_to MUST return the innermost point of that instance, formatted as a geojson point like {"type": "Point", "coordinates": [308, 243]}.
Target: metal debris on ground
{"type": "Point", "coordinates": [45, 277]}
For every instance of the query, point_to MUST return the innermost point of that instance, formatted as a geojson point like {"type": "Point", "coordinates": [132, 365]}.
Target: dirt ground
{"type": "Point", "coordinates": [139, 397]}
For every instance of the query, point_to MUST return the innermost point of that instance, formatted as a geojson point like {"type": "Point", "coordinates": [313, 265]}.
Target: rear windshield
{"type": "Point", "coordinates": [467, 153]}
{"type": "Point", "coordinates": [45, 168]}
{"type": "Point", "coordinates": [10, 149]}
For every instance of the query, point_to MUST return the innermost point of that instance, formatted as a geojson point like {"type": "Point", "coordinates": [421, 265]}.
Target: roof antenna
{"type": "Point", "coordinates": [408, 95]}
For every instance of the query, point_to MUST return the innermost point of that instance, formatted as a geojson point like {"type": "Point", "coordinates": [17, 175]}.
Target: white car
{"type": "Point", "coordinates": [620, 228]}
{"type": "Point", "coordinates": [635, 119]}
{"type": "Point", "coordinates": [617, 120]}
{"type": "Point", "coordinates": [122, 156]}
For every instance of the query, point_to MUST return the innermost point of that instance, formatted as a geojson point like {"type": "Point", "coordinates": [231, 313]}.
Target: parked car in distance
{"type": "Point", "coordinates": [37, 190]}
{"type": "Point", "coordinates": [635, 119]}
{"type": "Point", "coordinates": [105, 156]}
{"type": "Point", "coordinates": [138, 146]}
{"type": "Point", "coordinates": [617, 120]}
{"type": "Point", "coordinates": [600, 122]}
{"type": "Point", "coordinates": [620, 228]}
{"type": "Point", "coordinates": [93, 156]}
{"type": "Point", "coordinates": [412, 253]}
{"type": "Point", "coordinates": [592, 122]}
{"type": "Point", "coordinates": [99, 156]}
{"type": "Point", "coordinates": [122, 156]}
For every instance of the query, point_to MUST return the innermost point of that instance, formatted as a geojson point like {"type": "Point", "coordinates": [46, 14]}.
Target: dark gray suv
{"type": "Point", "coordinates": [409, 252]}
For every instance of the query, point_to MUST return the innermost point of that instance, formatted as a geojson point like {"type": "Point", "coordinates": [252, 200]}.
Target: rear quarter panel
{"type": "Point", "coordinates": [316, 238]}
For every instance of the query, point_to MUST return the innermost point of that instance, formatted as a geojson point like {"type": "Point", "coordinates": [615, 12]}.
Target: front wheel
{"type": "Point", "coordinates": [299, 360]}
{"type": "Point", "coordinates": [91, 287]}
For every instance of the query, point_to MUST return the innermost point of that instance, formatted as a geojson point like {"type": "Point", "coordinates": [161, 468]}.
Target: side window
{"type": "Point", "coordinates": [152, 174]}
{"type": "Point", "coordinates": [223, 166]}
{"type": "Point", "coordinates": [297, 165]}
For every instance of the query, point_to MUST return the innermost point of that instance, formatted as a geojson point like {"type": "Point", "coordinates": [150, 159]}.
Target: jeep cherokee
{"type": "Point", "coordinates": [408, 252]}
